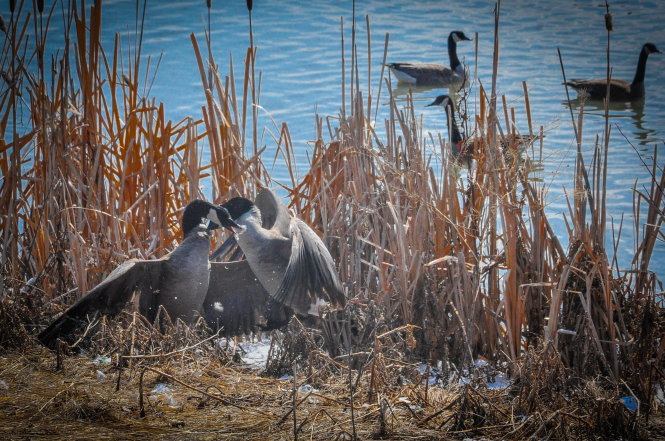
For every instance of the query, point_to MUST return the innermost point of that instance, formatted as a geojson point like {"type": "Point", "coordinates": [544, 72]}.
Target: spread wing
{"type": "Point", "coordinates": [108, 298]}
{"type": "Point", "coordinates": [310, 275]}
{"type": "Point", "coordinates": [238, 304]}
{"type": "Point", "coordinates": [228, 251]}
{"type": "Point", "coordinates": [274, 214]}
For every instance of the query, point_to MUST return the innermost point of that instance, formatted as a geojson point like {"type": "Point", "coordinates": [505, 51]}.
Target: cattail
{"type": "Point", "coordinates": [40, 6]}
{"type": "Point", "coordinates": [209, 3]}
{"type": "Point", "coordinates": [249, 5]}
{"type": "Point", "coordinates": [12, 5]}
{"type": "Point", "coordinates": [3, 29]}
{"type": "Point", "coordinates": [608, 22]}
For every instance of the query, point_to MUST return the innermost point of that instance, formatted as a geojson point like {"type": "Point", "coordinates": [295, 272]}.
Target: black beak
{"type": "Point", "coordinates": [225, 219]}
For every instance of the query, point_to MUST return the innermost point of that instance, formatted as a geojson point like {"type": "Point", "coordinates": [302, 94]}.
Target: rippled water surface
{"type": "Point", "coordinates": [300, 59]}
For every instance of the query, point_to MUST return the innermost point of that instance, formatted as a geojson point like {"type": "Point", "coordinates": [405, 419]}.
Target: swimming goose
{"type": "Point", "coordinates": [620, 90]}
{"type": "Point", "coordinates": [459, 147]}
{"type": "Point", "coordinates": [462, 149]}
{"type": "Point", "coordinates": [428, 74]}
{"type": "Point", "coordinates": [177, 281]}
{"type": "Point", "coordinates": [288, 258]}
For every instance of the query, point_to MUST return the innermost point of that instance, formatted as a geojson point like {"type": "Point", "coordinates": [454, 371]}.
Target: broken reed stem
{"type": "Point", "coordinates": [179, 351]}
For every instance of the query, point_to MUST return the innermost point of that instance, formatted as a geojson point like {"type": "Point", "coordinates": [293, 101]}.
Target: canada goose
{"type": "Point", "coordinates": [289, 259]}
{"type": "Point", "coordinates": [428, 74]}
{"type": "Point", "coordinates": [462, 149]}
{"type": "Point", "coordinates": [620, 90]}
{"type": "Point", "coordinates": [459, 147]}
{"type": "Point", "coordinates": [247, 307]}
{"type": "Point", "coordinates": [177, 281]}
{"type": "Point", "coordinates": [237, 303]}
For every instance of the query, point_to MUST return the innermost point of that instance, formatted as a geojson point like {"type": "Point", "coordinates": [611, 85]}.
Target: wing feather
{"type": "Point", "coordinates": [109, 297]}
{"type": "Point", "coordinates": [238, 304]}
{"type": "Point", "coordinates": [274, 215]}
{"type": "Point", "coordinates": [311, 275]}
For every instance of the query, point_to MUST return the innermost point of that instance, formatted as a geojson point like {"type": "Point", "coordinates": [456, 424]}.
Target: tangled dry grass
{"type": "Point", "coordinates": [200, 392]}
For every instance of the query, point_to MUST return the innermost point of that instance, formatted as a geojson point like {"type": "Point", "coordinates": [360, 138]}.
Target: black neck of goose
{"type": "Point", "coordinates": [641, 67]}
{"type": "Point", "coordinates": [194, 212]}
{"type": "Point", "coordinates": [452, 53]}
{"type": "Point", "coordinates": [455, 136]}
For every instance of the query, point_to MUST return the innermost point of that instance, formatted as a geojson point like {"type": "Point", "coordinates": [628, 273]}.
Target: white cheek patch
{"type": "Point", "coordinates": [212, 216]}
{"type": "Point", "coordinates": [246, 219]}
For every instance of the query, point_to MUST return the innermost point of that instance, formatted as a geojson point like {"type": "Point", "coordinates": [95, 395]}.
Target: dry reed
{"type": "Point", "coordinates": [459, 267]}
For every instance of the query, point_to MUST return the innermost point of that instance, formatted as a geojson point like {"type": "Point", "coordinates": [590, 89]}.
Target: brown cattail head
{"type": "Point", "coordinates": [249, 5]}
{"type": "Point", "coordinates": [12, 5]}
{"type": "Point", "coordinates": [3, 29]}
{"type": "Point", "coordinates": [608, 22]}
{"type": "Point", "coordinates": [209, 3]}
{"type": "Point", "coordinates": [40, 6]}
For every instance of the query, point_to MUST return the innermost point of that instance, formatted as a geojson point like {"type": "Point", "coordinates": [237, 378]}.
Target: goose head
{"type": "Point", "coordinates": [442, 100]}
{"type": "Point", "coordinates": [458, 36]}
{"type": "Point", "coordinates": [198, 210]}
{"type": "Point", "coordinates": [219, 217]}
{"type": "Point", "coordinates": [651, 48]}
{"type": "Point", "coordinates": [241, 209]}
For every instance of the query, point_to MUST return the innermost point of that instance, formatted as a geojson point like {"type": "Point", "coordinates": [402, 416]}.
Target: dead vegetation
{"type": "Point", "coordinates": [438, 268]}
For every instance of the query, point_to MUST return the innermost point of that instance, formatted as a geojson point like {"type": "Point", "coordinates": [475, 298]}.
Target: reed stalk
{"type": "Point", "coordinates": [469, 258]}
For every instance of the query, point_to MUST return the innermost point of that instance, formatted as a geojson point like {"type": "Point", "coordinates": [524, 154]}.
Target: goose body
{"type": "Point", "coordinates": [620, 90]}
{"type": "Point", "coordinates": [178, 281]}
{"type": "Point", "coordinates": [462, 149]}
{"type": "Point", "coordinates": [435, 75]}
{"type": "Point", "coordinates": [288, 259]}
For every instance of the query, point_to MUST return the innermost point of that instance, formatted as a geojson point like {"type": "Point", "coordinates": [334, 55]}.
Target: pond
{"type": "Point", "coordinates": [299, 56]}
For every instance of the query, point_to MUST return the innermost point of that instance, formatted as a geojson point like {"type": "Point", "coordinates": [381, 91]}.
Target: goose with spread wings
{"type": "Point", "coordinates": [178, 282]}
{"type": "Point", "coordinates": [285, 255]}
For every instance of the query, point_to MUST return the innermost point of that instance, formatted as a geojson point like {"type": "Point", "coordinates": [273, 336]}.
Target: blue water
{"type": "Point", "coordinates": [299, 55]}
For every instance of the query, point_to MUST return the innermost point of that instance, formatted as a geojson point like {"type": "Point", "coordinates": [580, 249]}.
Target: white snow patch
{"type": "Point", "coordinates": [501, 381]}
{"type": "Point", "coordinates": [256, 353]}
{"type": "Point", "coordinates": [160, 388]}
{"type": "Point", "coordinates": [253, 353]}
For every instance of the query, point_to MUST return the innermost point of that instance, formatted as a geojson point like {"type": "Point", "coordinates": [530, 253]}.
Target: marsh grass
{"type": "Point", "coordinates": [447, 266]}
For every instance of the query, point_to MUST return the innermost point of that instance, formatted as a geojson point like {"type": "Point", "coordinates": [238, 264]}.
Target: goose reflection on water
{"type": "Point", "coordinates": [619, 109]}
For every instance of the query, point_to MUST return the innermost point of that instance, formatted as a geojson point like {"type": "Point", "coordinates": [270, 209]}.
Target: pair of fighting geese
{"type": "Point", "coordinates": [435, 75]}
{"type": "Point", "coordinates": [287, 269]}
